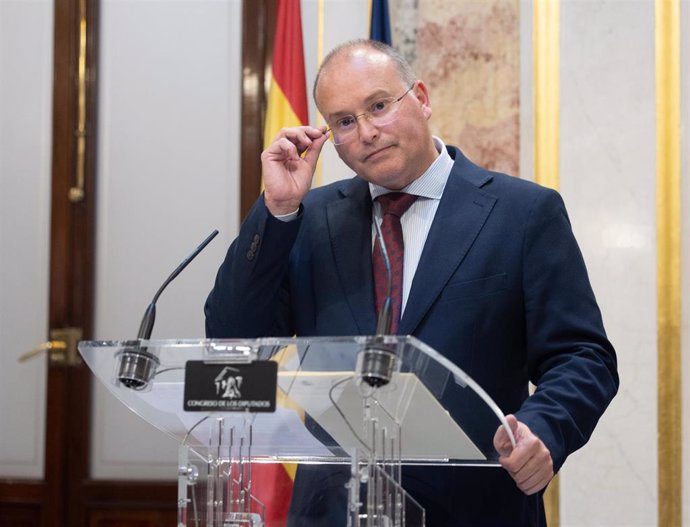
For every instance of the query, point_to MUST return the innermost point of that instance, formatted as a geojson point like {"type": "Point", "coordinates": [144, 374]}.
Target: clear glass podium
{"type": "Point", "coordinates": [358, 409]}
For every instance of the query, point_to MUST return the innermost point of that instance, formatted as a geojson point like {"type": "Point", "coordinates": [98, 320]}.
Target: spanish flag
{"type": "Point", "coordinates": [287, 97]}
{"type": "Point", "coordinates": [287, 106]}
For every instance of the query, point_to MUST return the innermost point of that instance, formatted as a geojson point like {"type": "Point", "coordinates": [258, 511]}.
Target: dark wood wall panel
{"type": "Point", "coordinates": [71, 259]}
{"type": "Point", "coordinates": [17, 515]}
{"type": "Point", "coordinates": [142, 518]}
{"type": "Point", "coordinates": [258, 23]}
{"type": "Point", "coordinates": [21, 503]}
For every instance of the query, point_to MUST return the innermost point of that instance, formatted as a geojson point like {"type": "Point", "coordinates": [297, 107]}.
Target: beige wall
{"type": "Point", "coordinates": [25, 164]}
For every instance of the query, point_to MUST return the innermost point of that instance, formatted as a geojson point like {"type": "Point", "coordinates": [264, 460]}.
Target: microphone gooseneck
{"type": "Point", "coordinates": [137, 365]}
{"type": "Point", "coordinates": [385, 315]}
{"type": "Point", "coordinates": [146, 326]}
{"type": "Point", "coordinates": [376, 362]}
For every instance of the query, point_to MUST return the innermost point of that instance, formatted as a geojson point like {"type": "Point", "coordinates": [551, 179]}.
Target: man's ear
{"type": "Point", "coordinates": [422, 94]}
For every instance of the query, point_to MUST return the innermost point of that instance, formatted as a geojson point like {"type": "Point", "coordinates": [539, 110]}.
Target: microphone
{"type": "Point", "coordinates": [376, 363]}
{"type": "Point", "coordinates": [138, 366]}
{"type": "Point", "coordinates": [146, 325]}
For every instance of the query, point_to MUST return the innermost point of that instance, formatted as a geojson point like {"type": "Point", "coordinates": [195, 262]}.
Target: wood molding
{"type": "Point", "coordinates": [258, 22]}
{"type": "Point", "coordinates": [125, 494]}
{"type": "Point", "coordinates": [132, 518]}
{"type": "Point", "coordinates": [21, 503]}
{"type": "Point", "coordinates": [64, 118]}
{"type": "Point", "coordinates": [72, 258]}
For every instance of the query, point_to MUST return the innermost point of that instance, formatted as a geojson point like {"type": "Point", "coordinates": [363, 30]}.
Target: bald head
{"type": "Point", "coordinates": [372, 50]}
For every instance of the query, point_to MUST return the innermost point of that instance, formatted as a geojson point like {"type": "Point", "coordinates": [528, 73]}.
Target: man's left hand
{"type": "Point", "coordinates": [529, 463]}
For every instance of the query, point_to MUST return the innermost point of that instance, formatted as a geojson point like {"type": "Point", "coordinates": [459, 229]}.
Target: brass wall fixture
{"type": "Point", "coordinates": [61, 348]}
{"type": "Point", "coordinates": [76, 192]}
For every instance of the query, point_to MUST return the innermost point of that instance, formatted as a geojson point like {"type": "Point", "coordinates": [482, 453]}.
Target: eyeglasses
{"type": "Point", "coordinates": [380, 113]}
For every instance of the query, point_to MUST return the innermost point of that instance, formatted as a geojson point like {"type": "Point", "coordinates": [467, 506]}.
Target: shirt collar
{"type": "Point", "coordinates": [431, 183]}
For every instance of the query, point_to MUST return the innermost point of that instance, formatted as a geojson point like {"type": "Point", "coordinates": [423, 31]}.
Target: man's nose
{"type": "Point", "coordinates": [366, 129]}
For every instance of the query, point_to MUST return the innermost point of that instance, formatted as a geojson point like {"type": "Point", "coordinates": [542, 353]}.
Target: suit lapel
{"type": "Point", "coordinates": [349, 228]}
{"type": "Point", "coordinates": [461, 214]}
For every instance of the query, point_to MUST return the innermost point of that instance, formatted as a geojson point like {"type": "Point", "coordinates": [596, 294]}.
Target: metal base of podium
{"type": "Point", "coordinates": [376, 497]}
{"type": "Point", "coordinates": [213, 493]}
{"type": "Point", "coordinates": [215, 481]}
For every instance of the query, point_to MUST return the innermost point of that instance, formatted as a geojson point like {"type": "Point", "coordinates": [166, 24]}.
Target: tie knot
{"type": "Point", "coordinates": [396, 203]}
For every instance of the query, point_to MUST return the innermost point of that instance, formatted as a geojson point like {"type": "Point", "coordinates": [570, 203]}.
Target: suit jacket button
{"type": "Point", "coordinates": [256, 238]}
{"type": "Point", "coordinates": [250, 255]}
{"type": "Point", "coordinates": [254, 246]}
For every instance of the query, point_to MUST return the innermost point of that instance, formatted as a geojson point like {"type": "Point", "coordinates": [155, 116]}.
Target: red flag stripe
{"type": "Point", "coordinates": [288, 57]}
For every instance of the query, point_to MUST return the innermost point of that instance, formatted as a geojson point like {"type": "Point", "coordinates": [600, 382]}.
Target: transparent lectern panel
{"type": "Point", "coordinates": [381, 395]}
{"type": "Point", "coordinates": [354, 419]}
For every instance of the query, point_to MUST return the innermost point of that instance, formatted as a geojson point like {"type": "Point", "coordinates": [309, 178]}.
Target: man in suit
{"type": "Point", "coordinates": [493, 279]}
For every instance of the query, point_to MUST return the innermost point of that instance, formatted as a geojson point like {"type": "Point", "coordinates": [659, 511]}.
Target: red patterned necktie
{"type": "Point", "coordinates": [394, 206]}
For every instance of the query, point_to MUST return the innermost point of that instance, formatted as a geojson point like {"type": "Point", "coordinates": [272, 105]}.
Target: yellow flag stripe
{"type": "Point", "coordinates": [279, 114]}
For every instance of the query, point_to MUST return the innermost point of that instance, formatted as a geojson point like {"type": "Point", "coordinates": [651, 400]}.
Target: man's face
{"type": "Point", "coordinates": [392, 155]}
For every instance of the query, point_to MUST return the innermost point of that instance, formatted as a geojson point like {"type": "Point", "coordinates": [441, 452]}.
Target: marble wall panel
{"type": "Point", "coordinates": [468, 52]}
{"type": "Point", "coordinates": [607, 177]}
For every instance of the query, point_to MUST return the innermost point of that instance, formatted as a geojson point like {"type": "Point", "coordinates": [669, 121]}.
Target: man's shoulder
{"type": "Point", "coordinates": [490, 181]}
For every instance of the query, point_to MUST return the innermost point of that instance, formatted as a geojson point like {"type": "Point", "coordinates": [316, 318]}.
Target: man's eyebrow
{"type": "Point", "coordinates": [338, 115]}
{"type": "Point", "coordinates": [378, 94]}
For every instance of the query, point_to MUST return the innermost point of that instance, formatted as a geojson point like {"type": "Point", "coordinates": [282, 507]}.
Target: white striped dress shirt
{"type": "Point", "coordinates": [416, 222]}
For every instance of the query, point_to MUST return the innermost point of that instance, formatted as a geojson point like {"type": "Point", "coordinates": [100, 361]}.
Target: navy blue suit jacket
{"type": "Point", "coordinates": [501, 290]}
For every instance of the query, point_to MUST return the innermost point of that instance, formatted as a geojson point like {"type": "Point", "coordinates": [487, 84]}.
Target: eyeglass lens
{"type": "Point", "coordinates": [382, 118]}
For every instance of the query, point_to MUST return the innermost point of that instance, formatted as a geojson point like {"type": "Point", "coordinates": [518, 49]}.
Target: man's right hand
{"type": "Point", "coordinates": [288, 166]}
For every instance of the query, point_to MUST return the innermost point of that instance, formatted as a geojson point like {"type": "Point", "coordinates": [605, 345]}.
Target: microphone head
{"type": "Point", "coordinates": [376, 364]}
{"type": "Point", "coordinates": [136, 366]}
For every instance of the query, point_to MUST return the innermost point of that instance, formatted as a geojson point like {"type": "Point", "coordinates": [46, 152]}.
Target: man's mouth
{"type": "Point", "coordinates": [376, 152]}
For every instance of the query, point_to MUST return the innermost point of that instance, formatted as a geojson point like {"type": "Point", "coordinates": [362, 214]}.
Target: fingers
{"type": "Point", "coordinates": [529, 463]}
{"type": "Point", "coordinates": [302, 143]}
{"type": "Point", "coordinates": [312, 153]}
{"type": "Point", "coordinates": [304, 134]}
{"type": "Point", "coordinates": [302, 137]}
{"type": "Point", "coordinates": [538, 480]}
{"type": "Point", "coordinates": [288, 165]}
{"type": "Point", "coordinates": [502, 442]}
{"type": "Point", "coordinates": [531, 471]}
{"type": "Point", "coordinates": [513, 423]}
